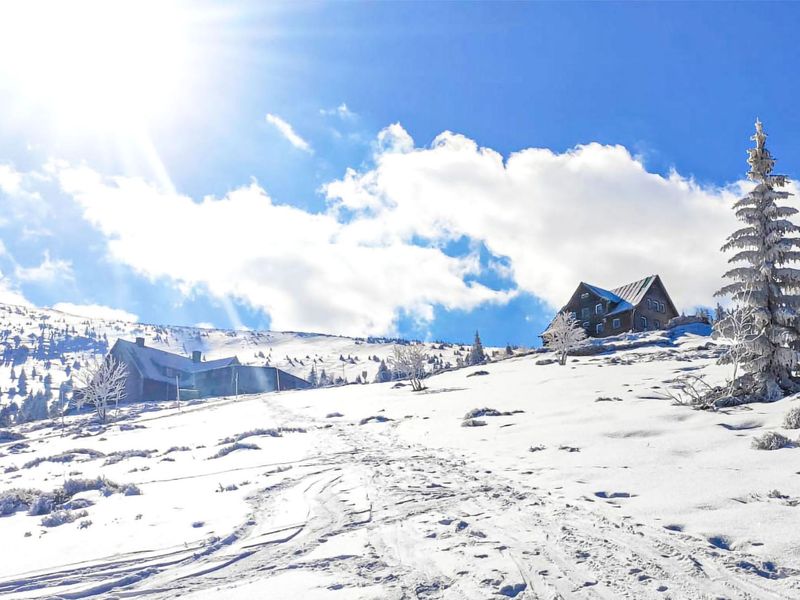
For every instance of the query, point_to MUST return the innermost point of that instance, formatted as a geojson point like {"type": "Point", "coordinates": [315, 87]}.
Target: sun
{"type": "Point", "coordinates": [102, 66]}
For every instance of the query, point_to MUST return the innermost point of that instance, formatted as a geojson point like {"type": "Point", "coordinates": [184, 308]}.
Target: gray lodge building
{"type": "Point", "coordinates": [154, 374]}
{"type": "Point", "coordinates": [642, 305]}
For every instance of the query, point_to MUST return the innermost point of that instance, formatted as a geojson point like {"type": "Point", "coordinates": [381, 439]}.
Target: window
{"type": "Point", "coordinates": [598, 328]}
{"type": "Point", "coordinates": [649, 304]}
{"type": "Point", "coordinates": [662, 307]}
{"type": "Point", "coordinates": [584, 296]}
{"type": "Point", "coordinates": [574, 315]}
{"type": "Point", "coordinates": [586, 324]}
{"type": "Point", "coordinates": [644, 322]}
{"type": "Point", "coordinates": [616, 324]}
{"type": "Point", "coordinates": [598, 309]}
{"type": "Point", "coordinates": [585, 313]}
{"type": "Point", "coordinates": [656, 324]}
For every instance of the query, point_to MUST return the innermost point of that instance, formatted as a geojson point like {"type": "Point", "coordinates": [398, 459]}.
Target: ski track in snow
{"type": "Point", "coordinates": [388, 519]}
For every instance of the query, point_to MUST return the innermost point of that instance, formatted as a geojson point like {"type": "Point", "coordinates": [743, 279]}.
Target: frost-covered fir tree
{"type": "Point", "coordinates": [763, 281]}
{"type": "Point", "coordinates": [476, 354]}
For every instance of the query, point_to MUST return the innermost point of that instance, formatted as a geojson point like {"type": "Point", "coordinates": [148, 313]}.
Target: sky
{"type": "Point", "coordinates": [419, 170]}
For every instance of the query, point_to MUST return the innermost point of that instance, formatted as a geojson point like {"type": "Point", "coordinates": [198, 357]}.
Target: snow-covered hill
{"type": "Point", "coordinates": [580, 481]}
{"type": "Point", "coordinates": [49, 345]}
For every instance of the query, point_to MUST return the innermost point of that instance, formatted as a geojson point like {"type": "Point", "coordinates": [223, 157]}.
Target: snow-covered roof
{"type": "Point", "coordinates": [152, 362]}
{"type": "Point", "coordinates": [634, 292]}
{"type": "Point", "coordinates": [625, 297]}
{"type": "Point", "coordinates": [610, 296]}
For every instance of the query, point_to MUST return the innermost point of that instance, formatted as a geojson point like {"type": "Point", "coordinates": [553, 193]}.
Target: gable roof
{"type": "Point", "coordinates": [635, 291]}
{"type": "Point", "coordinates": [152, 362]}
{"type": "Point", "coordinates": [626, 297]}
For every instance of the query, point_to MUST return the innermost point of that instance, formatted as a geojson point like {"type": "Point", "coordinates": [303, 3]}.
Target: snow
{"type": "Point", "coordinates": [626, 495]}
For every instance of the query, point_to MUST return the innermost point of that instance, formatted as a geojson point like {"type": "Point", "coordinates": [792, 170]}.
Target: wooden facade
{"type": "Point", "coordinates": [642, 305]}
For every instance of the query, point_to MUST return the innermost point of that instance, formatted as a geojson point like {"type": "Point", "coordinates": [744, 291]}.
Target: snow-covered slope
{"type": "Point", "coordinates": [589, 484]}
{"type": "Point", "coordinates": [45, 342]}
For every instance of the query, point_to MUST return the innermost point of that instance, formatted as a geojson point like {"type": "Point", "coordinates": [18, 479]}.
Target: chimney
{"type": "Point", "coordinates": [196, 356]}
{"type": "Point", "coordinates": [140, 342]}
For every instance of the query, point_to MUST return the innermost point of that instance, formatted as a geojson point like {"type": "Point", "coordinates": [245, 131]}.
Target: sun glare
{"type": "Point", "coordinates": [98, 65]}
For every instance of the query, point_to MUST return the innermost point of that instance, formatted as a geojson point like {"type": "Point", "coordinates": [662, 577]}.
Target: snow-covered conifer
{"type": "Point", "coordinates": [564, 335]}
{"type": "Point", "coordinates": [476, 353]}
{"type": "Point", "coordinates": [313, 380]}
{"type": "Point", "coordinates": [763, 281]}
{"type": "Point", "coordinates": [383, 375]}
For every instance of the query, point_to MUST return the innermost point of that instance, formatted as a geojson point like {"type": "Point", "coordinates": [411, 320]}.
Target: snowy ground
{"type": "Point", "coordinates": [623, 496]}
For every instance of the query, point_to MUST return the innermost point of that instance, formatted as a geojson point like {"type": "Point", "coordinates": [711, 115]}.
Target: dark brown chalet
{"type": "Point", "coordinates": [643, 305]}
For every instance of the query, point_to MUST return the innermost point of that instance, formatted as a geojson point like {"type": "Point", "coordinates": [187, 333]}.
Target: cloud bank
{"type": "Point", "coordinates": [95, 311]}
{"type": "Point", "coordinates": [379, 252]}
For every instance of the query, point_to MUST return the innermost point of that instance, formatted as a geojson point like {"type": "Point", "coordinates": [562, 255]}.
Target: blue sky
{"type": "Point", "coordinates": [638, 113]}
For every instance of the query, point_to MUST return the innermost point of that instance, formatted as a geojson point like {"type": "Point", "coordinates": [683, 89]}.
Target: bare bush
{"type": "Point", "coordinates": [771, 441]}
{"type": "Point", "coordinates": [233, 447]}
{"type": "Point", "coordinates": [564, 335]}
{"type": "Point", "coordinates": [692, 390]}
{"type": "Point", "coordinates": [792, 418]}
{"type": "Point", "coordinates": [409, 361]}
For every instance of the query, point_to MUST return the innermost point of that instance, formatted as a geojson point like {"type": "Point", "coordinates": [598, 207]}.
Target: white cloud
{"type": "Point", "coordinates": [96, 311]}
{"type": "Point", "coordinates": [288, 132]}
{"type": "Point", "coordinates": [48, 271]}
{"type": "Point", "coordinates": [341, 111]}
{"type": "Point", "coordinates": [306, 270]}
{"type": "Point", "coordinates": [593, 213]}
{"type": "Point", "coordinates": [205, 325]}
{"type": "Point", "coordinates": [10, 294]}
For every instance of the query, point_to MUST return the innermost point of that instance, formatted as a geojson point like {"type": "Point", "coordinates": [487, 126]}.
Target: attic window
{"type": "Point", "coordinates": [585, 296]}
{"type": "Point", "coordinates": [650, 304]}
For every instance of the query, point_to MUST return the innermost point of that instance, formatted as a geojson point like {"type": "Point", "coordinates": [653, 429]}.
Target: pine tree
{"type": "Point", "coordinates": [313, 380]}
{"type": "Point", "coordinates": [476, 355]}
{"type": "Point", "coordinates": [765, 245]}
{"type": "Point", "coordinates": [22, 383]}
{"type": "Point", "coordinates": [384, 374]}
